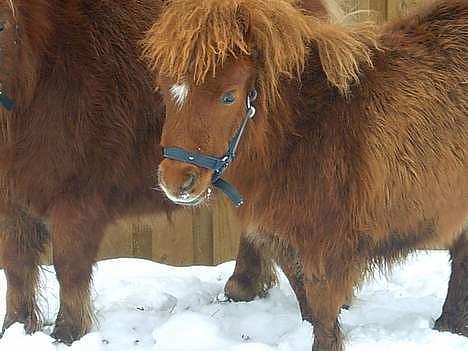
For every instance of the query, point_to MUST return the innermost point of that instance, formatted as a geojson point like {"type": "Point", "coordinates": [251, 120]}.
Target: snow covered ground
{"type": "Point", "coordinates": [145, 306]}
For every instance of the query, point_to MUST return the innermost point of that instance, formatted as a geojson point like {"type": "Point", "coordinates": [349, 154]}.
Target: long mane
{"type": "Point", "coordinates": [215, 30]}
{"type": "Point", "coordinates": [192, 39]}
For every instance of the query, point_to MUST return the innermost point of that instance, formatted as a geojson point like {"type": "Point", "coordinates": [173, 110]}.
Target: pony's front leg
{"type": "Point", "coordinates": [254, 273]}
{"type": "Point", "coordinates": [76, 230]}
{"type": "Point", "coordinates": [327, 289]}
{"type": "Point", "coordinates": [454, 317]}
{"type": "Point", "coordinates": [23, 239]}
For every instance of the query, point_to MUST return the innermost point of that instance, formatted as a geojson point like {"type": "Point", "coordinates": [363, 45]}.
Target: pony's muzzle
{"type": "Point", "coordinates": [183, 183]}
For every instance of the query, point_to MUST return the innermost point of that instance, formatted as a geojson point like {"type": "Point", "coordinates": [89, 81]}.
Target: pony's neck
{"type": "Point", "coordinates": [313, 108]}
{"type": "Point", "coordinates": [337, 58]}
{"type": "Point", "coordinates": [298, 110]}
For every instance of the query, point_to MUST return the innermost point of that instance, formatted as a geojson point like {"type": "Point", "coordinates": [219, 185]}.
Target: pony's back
{"type": "Point", "coordinates": [415, 125]}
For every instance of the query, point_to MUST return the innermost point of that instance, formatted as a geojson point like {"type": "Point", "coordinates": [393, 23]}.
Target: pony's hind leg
{"type": "Point", "coordinates": [23, 239]}
{"type": "Point", "coordinates": [254, 273]}
{"type": "Point", "coordinates": [76, 235]}
{"type": "Point", "coordinates": [454, 317]}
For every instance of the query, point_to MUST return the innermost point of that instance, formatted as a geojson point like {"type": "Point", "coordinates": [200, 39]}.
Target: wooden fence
{"type": "Point", "coordinates": [210, 235]}
{"type": "Point", "coordinates": [205, 235]}
{"type": "Point", "coordinates": [379, 10]}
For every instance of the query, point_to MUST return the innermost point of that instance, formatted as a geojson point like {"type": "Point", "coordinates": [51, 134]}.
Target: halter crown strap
{"type": "Point", "coordinates": [217, 164]}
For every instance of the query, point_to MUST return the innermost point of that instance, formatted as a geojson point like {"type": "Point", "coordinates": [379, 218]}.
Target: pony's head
{"type": "Point", "coordinates": [209, 56]}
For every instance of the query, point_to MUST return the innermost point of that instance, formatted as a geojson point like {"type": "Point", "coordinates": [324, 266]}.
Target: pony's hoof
{"type": "Point", "coordinates": [241, 288]}
{"type": "Point", "coordinates": [332, 346]}
{"type": "Point", "coordinates": [452, 323]}
{"type": "Point", "coordinates": [65, 334]}
{"type": "Point", "coordinates": [31, 324]}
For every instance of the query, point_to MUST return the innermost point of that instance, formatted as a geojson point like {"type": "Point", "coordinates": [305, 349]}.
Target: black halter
{"type": "Point", "coordinates": [218, 164]}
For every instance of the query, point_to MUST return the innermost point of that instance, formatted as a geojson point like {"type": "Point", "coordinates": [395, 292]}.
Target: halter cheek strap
{"type": "Point", "coordinates": [5, 100]}
{"type": "Point", "coordinates": [218, 164]}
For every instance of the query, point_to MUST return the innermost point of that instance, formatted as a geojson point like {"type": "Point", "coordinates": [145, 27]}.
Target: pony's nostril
{"type": "Point", "coordinates": [190, 181]}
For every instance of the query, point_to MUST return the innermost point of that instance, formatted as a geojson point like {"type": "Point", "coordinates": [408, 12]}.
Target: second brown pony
{"type": "Point", "coordinates": [357, 153]}
{"type": "Point", "coordinates": [78, 149]}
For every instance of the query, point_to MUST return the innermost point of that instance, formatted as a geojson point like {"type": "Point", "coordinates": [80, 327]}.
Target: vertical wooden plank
{"type": "Point", "coordinates": [365, 10]}
{"type": "Point", "coordinates": [142, 239]}
{"type": "Point", "coordinates": [117, 241]}
{"type": "Point", "coordinates": [400, 8]}
{"type": "Point", "coordinates": [173, 238]}
{"type": "Point", "coordinates": [48, 255]}
{"type": "Point", "coordinates": [226, 231]}
{"type": "Point", "coordinates": [202, 230]}
{"type": "Point", "coordinates": [164, 239]}
{"type": "Point", "coordinates": [379, 10]}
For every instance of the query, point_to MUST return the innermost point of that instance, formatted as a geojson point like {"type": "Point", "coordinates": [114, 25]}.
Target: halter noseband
{"type": "Point", "coordinates": [218, 164]}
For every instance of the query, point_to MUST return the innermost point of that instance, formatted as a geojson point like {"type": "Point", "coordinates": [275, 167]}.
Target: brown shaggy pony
{"type": "Point", "coordinates": [357, 154]}
{"type": "Point", "coordinates": [81, 146]}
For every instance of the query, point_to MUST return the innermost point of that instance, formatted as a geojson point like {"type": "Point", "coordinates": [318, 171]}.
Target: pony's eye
{"type": "Point", "coordinates": [228, 98]}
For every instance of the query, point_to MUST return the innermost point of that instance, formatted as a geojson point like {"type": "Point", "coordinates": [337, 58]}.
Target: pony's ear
{"type": "Point", "coordinates": [243, 21]}
{"type": "Point", "coordinates": [344, 51]}
{"type": "Point", "coordinates": [245, 26]}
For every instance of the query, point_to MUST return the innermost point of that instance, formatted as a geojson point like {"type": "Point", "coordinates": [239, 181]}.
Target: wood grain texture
{"type": "Point", "coordinates": [400, 8]}
{"type": "Point", "coordinates": [226, 231]}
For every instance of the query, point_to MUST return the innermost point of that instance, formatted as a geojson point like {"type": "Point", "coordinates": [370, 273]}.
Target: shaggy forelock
{"type": "Point", "coordinates": [194, 39]}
